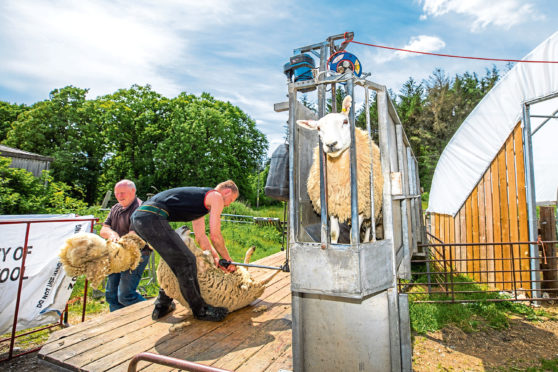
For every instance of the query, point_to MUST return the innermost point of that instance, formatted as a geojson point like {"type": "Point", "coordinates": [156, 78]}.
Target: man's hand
{"type": "Point", "coordinates": [227, 266]}
{"type": "Point", "coordinates": [113, 236]}
{"type": "Point", "coordinates": [216, 259]}
{"type": "Point", "coordinates": [109, 234]}
{"type": "Point", "coordinates": [231, 268]}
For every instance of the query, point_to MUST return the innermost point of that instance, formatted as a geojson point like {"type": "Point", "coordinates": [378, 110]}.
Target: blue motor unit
{"type": "Point", "coordinates": [299, 68]}
{"type": "Point", "coordinates": [342, 61]}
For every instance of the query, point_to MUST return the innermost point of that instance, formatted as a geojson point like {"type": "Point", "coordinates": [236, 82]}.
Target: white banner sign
{"type": "Point", "coordinates": [46, 288]}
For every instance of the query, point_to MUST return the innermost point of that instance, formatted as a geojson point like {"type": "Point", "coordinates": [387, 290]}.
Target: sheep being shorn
{"type": "Point", "coordinates": [334, 131]}
{"type": "Point", "coordinates": [90, 255]}
{"type": "Point", "coordinates": [231, 290]}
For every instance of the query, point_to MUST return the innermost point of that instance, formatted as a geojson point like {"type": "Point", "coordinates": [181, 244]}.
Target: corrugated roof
{"type": "Point", "coordinates": [11, 152]}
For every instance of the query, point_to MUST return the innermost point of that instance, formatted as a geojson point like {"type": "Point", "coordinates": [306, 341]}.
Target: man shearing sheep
{"type": "Point", "coordinates": [151, 222]}
{"type": "Point", "coordinates": [121, 287]}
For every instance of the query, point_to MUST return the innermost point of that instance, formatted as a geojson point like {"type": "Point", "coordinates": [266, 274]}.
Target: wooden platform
{"type": "Point", "coordinates": [245, 341]}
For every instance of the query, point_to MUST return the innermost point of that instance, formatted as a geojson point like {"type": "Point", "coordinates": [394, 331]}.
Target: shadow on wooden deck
{"type": "Point", "coordinates": [255, 338]}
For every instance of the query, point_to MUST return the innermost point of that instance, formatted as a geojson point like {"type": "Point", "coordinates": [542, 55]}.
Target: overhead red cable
{"type": "Point", "coordinates": [448, 55]}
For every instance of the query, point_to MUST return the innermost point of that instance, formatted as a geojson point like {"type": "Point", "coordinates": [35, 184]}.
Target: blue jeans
{"type": "Point", "coordinates": [121, 287]}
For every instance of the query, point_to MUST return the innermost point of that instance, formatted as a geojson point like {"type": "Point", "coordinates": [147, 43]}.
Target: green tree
{"type": "Point", "coordinates": [134, 122]}
{"type": "Point", "coordinates": [65, 127]}
{"type": "Point", "coordinates": [22, 193]}
{"type": "Point", "coordinates": [208, 141]}
{"type": "Point", "coordinates": [410, 108]}
{"type": "Point", "coordinates": [8, 114]}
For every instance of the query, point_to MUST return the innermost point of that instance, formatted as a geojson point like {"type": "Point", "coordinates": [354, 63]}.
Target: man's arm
{"type": "Point", "coordinates": [202, 239]}
{"type": "Point", "coordinates": [216, 204]}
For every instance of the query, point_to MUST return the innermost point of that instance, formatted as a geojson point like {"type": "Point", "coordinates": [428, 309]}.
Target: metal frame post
{"type": "Point", "coordinates": [292, 196]}
{"type": "Point", "coordinates": [401, 154]}
{"type": "Point", "coordinates": [324, 230]}
{"type": "Point", "coordinates": [369, 130]}
{"type": "Point", "coordinates": [531, 203]}
{"type": "Point", "coordinates": [355, 233]}
{"type": "Point", "coordinates": [383, 129]}
{"type": "Point", "coordinates": [19, 289]}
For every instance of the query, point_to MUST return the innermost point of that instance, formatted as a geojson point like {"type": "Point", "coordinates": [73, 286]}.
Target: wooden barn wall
{"type": "Point", "coordinates": [495, 211]}
{"type": "Point", "coordinates": [34, 166]}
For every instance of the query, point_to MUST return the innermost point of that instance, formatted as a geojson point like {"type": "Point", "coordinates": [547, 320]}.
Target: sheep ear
{"type": "Point", "coordinates": [308, 124]}
{"type": "Point", "coordinates": [347, 105]}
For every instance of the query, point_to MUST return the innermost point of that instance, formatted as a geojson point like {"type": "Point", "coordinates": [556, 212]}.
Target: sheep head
{"type": "Point", "coordinates": [333, 129]}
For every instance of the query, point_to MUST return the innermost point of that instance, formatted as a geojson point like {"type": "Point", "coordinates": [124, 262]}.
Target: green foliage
{"type": "Point", "coordinates": [232, 146]}
{"type": "Point", "coordinates": [8, 114]}
{"type": "Point", "coordinates": [548, 365]}
{"type": "Point", "coordinates": [426, 317]}
{"type": "Point", "coordinates": [433, 110]}
{"type": "Point", "coordinates": [22, 193]}
{"type": "Point", "coordinates": [240, 236]}
{"type": "Point", "coordinates": [136, 133]}
{"type": "Point", "coordinates": [255, 196]}
{"type": "Point", "coordinates": [134, 122]}
{"type": "Point", "coordinates": [67, 128]}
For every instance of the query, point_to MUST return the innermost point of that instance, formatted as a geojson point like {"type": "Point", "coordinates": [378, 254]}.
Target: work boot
{"type": "Point", "coordinates": [212, 313]}
{"type": "Point", "coordinates": [161, 310]}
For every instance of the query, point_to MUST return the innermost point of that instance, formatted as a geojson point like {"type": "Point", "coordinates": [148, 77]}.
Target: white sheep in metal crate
{"type": "Point", "coordinates": [335, 133]}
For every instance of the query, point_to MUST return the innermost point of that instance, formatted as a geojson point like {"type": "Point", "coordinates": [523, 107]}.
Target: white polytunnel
{"type": "Point", "coordinates": [471, 150]}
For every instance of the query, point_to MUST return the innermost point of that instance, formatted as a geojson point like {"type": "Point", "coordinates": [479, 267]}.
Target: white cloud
{"type": "Point", "coordinates": [94, 45]}
{"type": "Point", "coordinates": [106, 45]}
{"type": "Point", "coordinates": [420, 43]}
{"type": "Point", "coordinates": [213, 46]}
{"type": "Point", "coordinates": [501, 13]}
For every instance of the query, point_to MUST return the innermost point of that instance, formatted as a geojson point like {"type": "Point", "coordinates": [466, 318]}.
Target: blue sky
{"type": "Point", "coordinates": [235, 50]}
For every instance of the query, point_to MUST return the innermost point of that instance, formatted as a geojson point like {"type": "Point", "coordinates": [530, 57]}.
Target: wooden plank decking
{"type": "Point", "coordinates": [245, 341]}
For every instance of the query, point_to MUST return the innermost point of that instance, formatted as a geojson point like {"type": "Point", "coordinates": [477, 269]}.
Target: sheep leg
{"type": "Point", "coordinates": [248, 254]}
{"type": "Point", "coordinates": [266, 280]}
{"type": "Point", "coordinates": [367, 232]}
{"type": "Point", "coordinates": [334, 229]}
{"type": "Point", "coordinates": [367, 235]}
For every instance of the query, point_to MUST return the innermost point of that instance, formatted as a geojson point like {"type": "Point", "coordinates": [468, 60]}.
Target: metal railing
{"type": "Point", "coordinates": [281, 226]}
{"type": "Point", "coordinates": [171, 362]}
{"type": "Point", "coordinates": [64, 316]}
{"type": "Point", "coordinates": [447, 278]}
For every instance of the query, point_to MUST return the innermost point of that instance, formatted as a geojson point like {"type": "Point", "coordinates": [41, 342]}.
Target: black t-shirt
{"type": "Point", "coordinates": [182, 203]}
{"type": "Point", "coordinates": [118, 218]}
